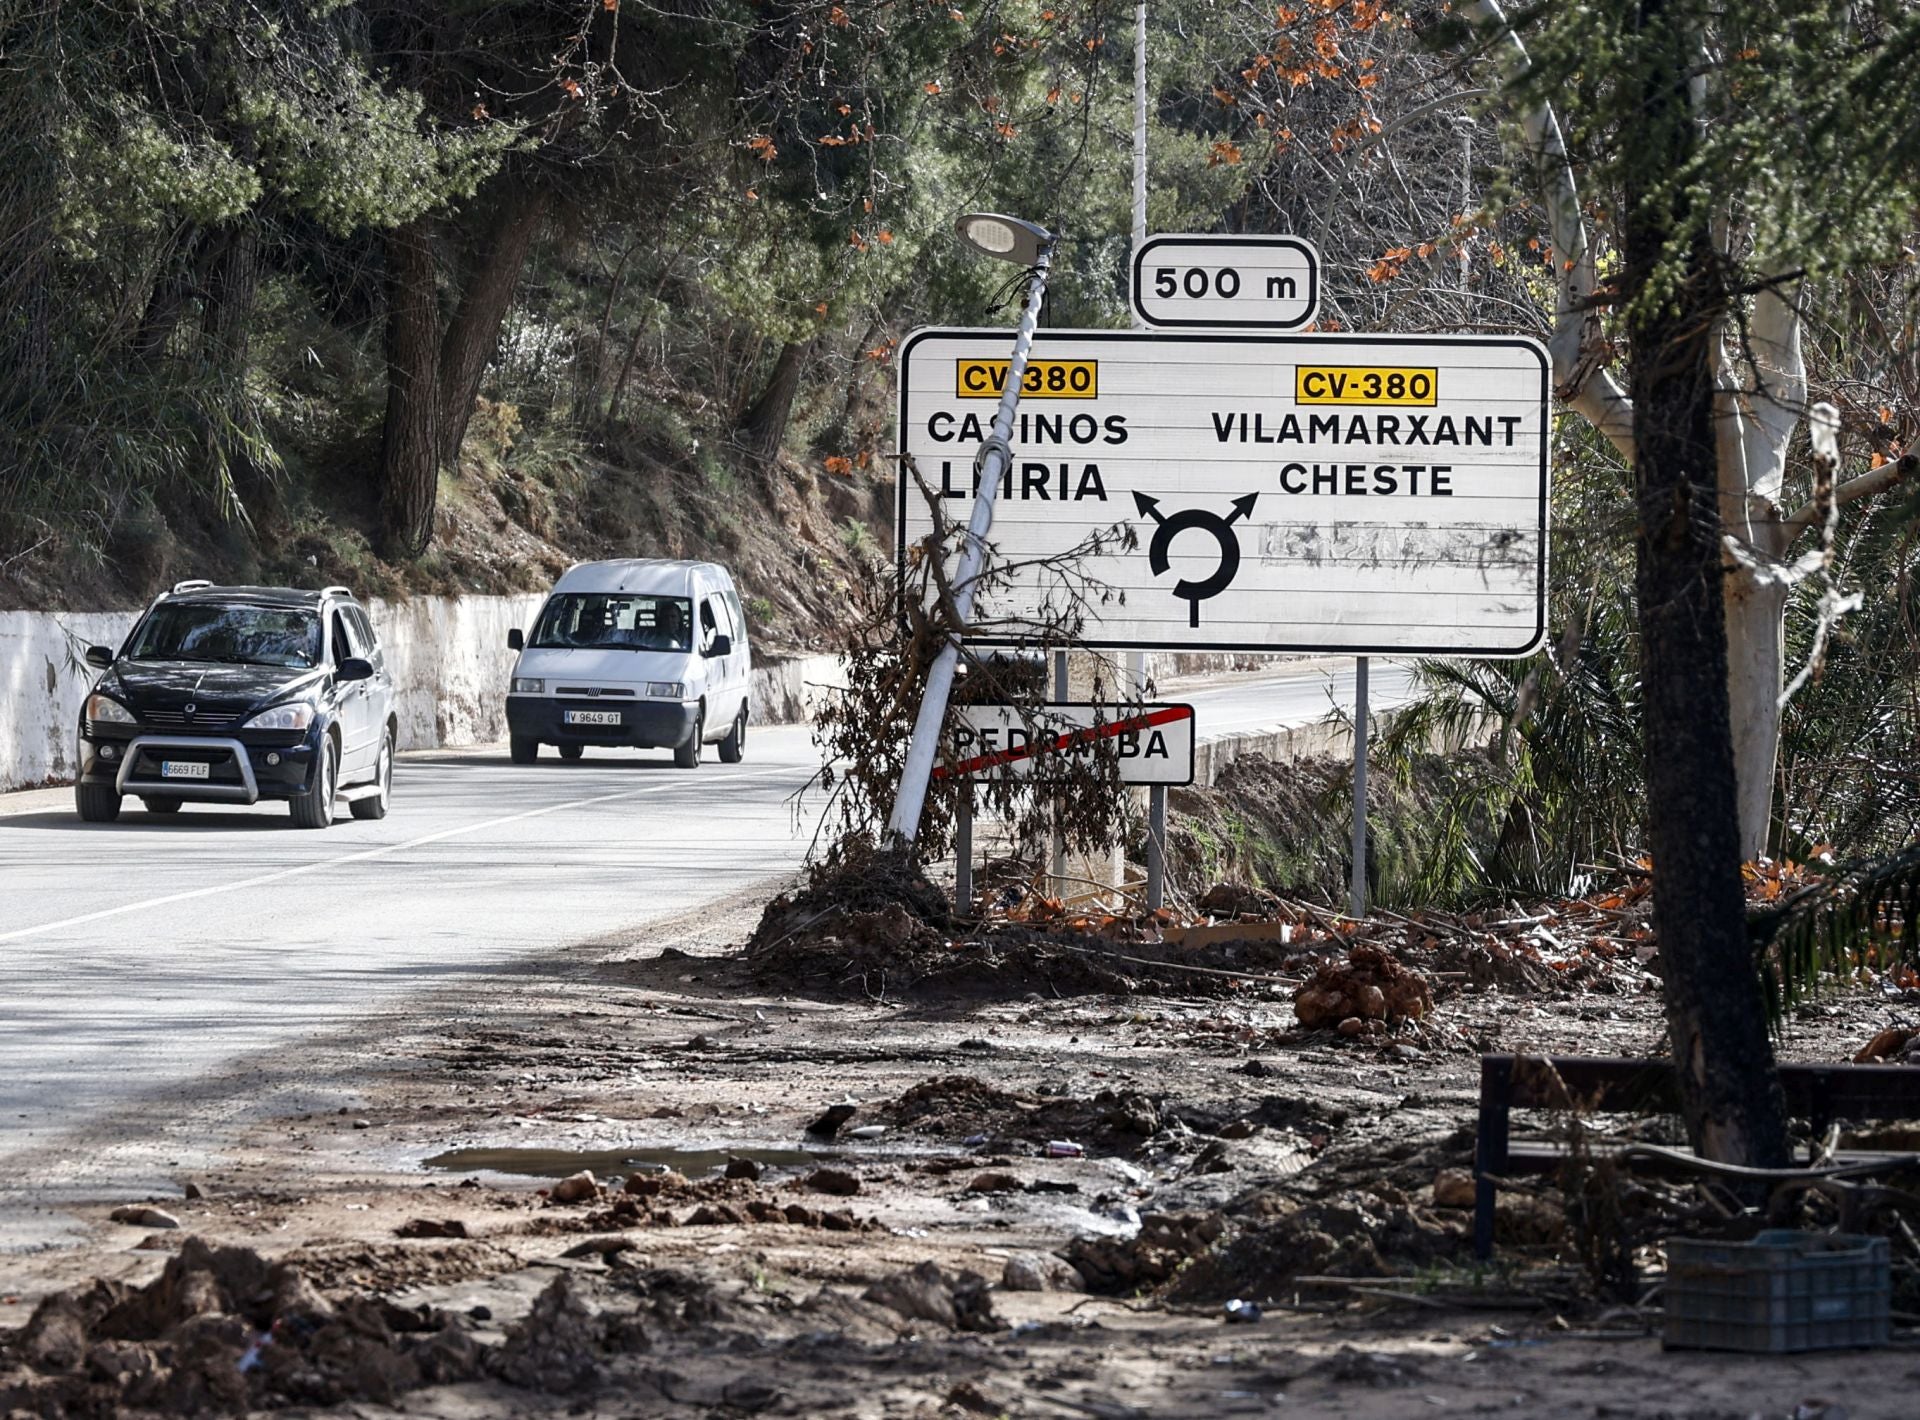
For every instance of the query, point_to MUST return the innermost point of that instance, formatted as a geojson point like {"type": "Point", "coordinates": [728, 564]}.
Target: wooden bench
{"type": "Point", "coordinates": [1819, 1094]}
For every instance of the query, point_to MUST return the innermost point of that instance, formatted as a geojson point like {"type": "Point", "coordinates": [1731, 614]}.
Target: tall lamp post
{"type": "Point", "coordinates": [1024, 244]}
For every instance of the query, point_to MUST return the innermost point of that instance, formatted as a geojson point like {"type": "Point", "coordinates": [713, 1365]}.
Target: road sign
{"type": "Point", "coordinates": [1362, 495]}
{"type": "Point", "coordinates": [1264, 283]}
{"type": "Point", "coordinates": [1151, 744]}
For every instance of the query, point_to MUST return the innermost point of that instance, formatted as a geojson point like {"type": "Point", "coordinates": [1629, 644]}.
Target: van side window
{"type": "Point", "coordinates": [739, 620]}
{"type": "Point", "coordinates": [709, 623]}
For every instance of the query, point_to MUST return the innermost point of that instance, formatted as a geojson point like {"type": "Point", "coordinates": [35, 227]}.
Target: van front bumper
{"type": "Point", "coordinates": [647, 724]}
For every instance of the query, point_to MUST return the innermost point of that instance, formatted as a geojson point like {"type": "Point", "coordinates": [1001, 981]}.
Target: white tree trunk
{"type": "Point", "coordinates": [1756, 653]}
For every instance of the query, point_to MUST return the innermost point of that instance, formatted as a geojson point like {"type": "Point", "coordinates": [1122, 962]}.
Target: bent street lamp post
{"type": "Point", "coordinates": [1024, 244]}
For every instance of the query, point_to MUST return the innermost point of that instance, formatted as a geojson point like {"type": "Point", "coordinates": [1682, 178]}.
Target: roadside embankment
{"type": "Point", "coordinates": [448, 656]}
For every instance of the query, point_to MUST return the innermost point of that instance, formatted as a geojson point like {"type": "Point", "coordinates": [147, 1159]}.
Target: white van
{"type": "Point", "coordinates": [640, 652]}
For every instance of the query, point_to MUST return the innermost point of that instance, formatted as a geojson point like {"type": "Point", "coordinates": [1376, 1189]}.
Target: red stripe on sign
{"type": "Point", "coordinates": [1092, 734]}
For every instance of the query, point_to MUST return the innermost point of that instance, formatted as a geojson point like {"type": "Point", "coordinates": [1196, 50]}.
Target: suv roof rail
{"type": "Point", "coordinates": [192, 586]}
{"type": "Point", "coordinates": [343, 591]}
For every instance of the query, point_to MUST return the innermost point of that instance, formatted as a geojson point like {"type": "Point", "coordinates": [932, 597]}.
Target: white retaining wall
{"type": "Point", "coordinates": [448, 656]}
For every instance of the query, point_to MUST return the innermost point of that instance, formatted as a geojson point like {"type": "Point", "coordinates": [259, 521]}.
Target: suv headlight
{"type": "Point", "coordinates": [528, 685]}
{"type": "Point", "coordinates": [295, 716]}
{"type": "Point", "coordinates": [666, 690]}
{"type": "Point", "coordinates": [105, 710]}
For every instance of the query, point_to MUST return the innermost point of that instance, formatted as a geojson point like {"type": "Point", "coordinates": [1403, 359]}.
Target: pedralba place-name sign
{"type": "Point", "coordinates": [1149, 744]}
{"type": "Point", "coordinates": [1353, 495]}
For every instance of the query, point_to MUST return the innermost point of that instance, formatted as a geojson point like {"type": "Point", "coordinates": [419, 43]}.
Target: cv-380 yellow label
{"type": "Point", "coordinates": [1365, 384]}
{"type": "Point", "coordinates": [1044, 379]}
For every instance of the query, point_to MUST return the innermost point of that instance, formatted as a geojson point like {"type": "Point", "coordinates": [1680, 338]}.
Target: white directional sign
{"type": "Point", "coordinates": [1150, 744]}
{"type": "Point", "coordinates": [1356, 495]}
{"type": "Point", "coordinates": [1267, 283]}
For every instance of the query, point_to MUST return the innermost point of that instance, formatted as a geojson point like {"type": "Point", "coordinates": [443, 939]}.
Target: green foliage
{"type": "Point", "coordinates": [1865, 911]}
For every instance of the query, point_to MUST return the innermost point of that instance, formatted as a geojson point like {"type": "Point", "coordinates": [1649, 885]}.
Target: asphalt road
{"type": "Point", "coordinates": [140, 960]}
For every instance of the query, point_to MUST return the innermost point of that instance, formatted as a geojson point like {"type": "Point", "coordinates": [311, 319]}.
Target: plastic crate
{"type": "Point", "coordinates": [1784, 1291]}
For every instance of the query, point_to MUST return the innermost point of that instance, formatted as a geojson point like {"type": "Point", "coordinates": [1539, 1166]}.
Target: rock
{"type": "Point", "coordinates": [743, 1168]}
{"type": "Point", "coordinates": [363, 1124]}
{"type": "Point", "coordinates": [715, 1214]}
{"type": "Point", "coordinates": [1453, 1188]}
{"type": "Point", "coordinates": [839, 1220]}
{"type": "Point", "coordinates": [925, 1293]}
{"type": "Point", "coordinates": [1403, 1051]}
{"type": "Point", "coordinates": [1231, 900]}
{"type": "Point", "coordinates": [576, 1188]}
{"type": "Point", "coordinates": [1370, 985]}
{"type": "Point", "coordinates": [801, 1215]}
{"type": "Point", "coordinates": [1040, 1272]}
{"type": "Point", "coordinates": [601, 1247]}
{"type": "Point", "coordinates": [994, 1183]}
{"type": "Point", "coordinates": [835, 1181]}
{"type": "Point", "coordinates": [1239, 1129]}
{"type": "Point", "coordinates": [140, 1215]}
{"type": "Point", "coordinates": [652, 1185]}
{"type": "Point", "coordinates": [195, 1191]}
{"type": "Point", "coordinates": [431, 1228]}
{"type": "Point", "coordinates": [1259, 1069]}
{"type": "Point", "coordinates": [828, 1124]}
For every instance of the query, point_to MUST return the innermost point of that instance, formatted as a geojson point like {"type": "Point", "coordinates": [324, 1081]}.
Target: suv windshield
{"type": "Point", "coordinates": [242, 635]}
{"type": "Point", "coordinates": [615, 621]}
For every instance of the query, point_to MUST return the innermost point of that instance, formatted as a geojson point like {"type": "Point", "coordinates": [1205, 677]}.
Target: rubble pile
{"type": "Point", "coordinates": [1363, 994]}
{"type": "Point", "coordinates": [223, 1331]}
{"type": "Point", "coordinates": [671, 1200]}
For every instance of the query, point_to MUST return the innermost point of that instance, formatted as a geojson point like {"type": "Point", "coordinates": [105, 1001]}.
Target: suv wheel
{"type": "Point", "coordinates": [97, 803]}
{"type": "Point", "coordinates": [523, 749]}
{"type": "Point", "coordinates": [687, 756]}
{"type": "Point", "coordinates": [314, 807]}
{"type": "Point", "coordinates": [372, 806]}
{"type": "Point", "coordinates": [734, 747]}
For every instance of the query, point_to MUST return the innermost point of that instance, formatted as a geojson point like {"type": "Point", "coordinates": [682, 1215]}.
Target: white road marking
{"type": "Point", "coordinates": [366, 853]}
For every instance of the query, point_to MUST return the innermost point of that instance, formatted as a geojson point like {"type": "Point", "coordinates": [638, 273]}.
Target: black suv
{"type": "Point", "coordinates": [236, 694]}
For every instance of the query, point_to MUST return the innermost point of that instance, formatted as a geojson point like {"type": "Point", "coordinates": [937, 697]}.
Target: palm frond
{"type": "Point", "coordinates": [1865, 913]}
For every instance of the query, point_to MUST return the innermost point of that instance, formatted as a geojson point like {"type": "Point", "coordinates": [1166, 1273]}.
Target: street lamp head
{"type": "Point", "coordinates": [1007, 238]}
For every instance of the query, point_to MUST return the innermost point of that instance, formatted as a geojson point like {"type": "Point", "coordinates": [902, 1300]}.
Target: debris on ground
{"type": "Point", "coordinates": [962, 1302]}
{"type": "Point", "coordinates": [1367, 991]}
{"type": "Point", "coordinates": [1165, 1244]}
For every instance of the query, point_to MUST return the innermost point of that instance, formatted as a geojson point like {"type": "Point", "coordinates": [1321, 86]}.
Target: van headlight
{"type": "Point", "coordinates": [105, 710]}
{"type": "Point", "coordinates": [295, 716]}
{"type": "Point", "coordinates": [525, 685]}
{"type": "Point", "coordinates": [666, 690]}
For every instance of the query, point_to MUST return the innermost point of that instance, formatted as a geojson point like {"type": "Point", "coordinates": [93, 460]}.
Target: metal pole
{"type": "Point", "coordinates": [995, 456]}
{"type": "Point", "coordinates": [963, 851]}
{"type": "Point", "coordinates": [1059, 838]}
{"type": "Point", "coordinates": [1156, 847]}
{"type": "Point", "coordinates": [1358, 904]}
{"type": "Point", "coordinates": [1140, 134]}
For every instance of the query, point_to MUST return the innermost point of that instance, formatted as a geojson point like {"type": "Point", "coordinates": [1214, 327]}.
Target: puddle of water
{"type": "Point", "coordinates": [559, 1163]}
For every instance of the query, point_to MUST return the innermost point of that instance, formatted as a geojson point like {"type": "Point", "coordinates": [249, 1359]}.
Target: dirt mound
{"type": "Point", "coordinates": [1368, 987]}
{"type": "Point", "coordinates": [1351, 1234]}
{"type": "Point", "coordinates": [962, 1107]}
{"type": "Point", "coordinates": [222, 1331]}
{"type": "Point", "coordinates": [1164, 1245]}
{"type": "Point", "coordinates": [962, 1302]}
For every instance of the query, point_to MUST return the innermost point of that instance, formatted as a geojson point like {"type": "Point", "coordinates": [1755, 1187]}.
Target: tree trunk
{"type": "Point", "coordinates": [1715, 1014]}
{"type": "Point", "coordinates": [226, 318]}
{"type": "Point", "coordinates": [764, 426]}
{"type": "Point", "coordinates": [474, 333]}
{"type": "Point", "coordinates": [411, 452]}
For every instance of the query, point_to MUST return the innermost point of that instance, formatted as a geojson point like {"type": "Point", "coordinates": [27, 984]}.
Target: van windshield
{"type": "Point", "coordinates": [615, 621]}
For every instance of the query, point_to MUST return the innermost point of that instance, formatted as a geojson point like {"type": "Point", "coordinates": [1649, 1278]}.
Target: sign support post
{"type": "Point", "coordinates": [1059, 837]}
{"type": "Point", "coordinates": [1357, 905]}
{"type": "Point", "coordinates": [996, 456]}
{"type": "Point", "coordinates": [963, 851]}
{"type": "Point", "coordinates": [1156, 847]}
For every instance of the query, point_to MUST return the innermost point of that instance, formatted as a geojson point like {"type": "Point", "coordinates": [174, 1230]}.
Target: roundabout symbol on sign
{"type": "Point", "coordinates": [1221, 528]}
